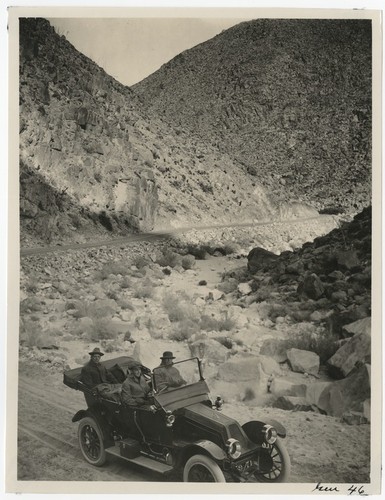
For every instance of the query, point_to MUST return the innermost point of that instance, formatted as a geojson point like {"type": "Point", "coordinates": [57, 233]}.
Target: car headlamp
{"type": "Point", "coordinates": [270, 434]}
{"type": "Point", "coordinates": [218, 403]}
{"type": "Point", "coordinates": [233, 447]}
{"type": "Point", "coordinates": [170, 419]}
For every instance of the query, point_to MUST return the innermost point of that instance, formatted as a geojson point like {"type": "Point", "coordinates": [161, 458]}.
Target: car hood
{"type": "Point", "coordinates": [216, 422]}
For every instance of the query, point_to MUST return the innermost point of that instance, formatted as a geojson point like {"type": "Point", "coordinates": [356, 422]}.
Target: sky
{"type": "Point", "coordinates": [131, 49]}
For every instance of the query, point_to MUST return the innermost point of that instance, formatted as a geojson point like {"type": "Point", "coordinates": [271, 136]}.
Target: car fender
{"type": "Point", "coordinates": [207, 448]}
{"type": "Point", "coordinates": [254, 430]}
{"type": "Point", "coordinates": [80, 414]}
{"type": "Point", "coordinates": [87, 413]}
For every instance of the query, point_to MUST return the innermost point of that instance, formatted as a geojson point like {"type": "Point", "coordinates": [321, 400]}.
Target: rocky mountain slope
{"type": "Point", "coordinates": [290, 100]}
{"type": "Point", "coordinates": [87, 142]}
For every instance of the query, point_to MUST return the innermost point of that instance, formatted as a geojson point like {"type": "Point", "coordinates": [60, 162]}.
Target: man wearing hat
{"type": "Point", "coordinates": [135, 389]}
{"type": "Point", "coordinates": [166, 375]}
{"type": "Point", "coordinates": [94, 373]}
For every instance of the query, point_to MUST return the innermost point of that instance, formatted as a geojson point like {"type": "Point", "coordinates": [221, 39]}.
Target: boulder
{"type": "Point", "coordinates": [358, 327]}
{"type": "Point", "coordinates": [354, 418]}
{"type": "Point", "coordinates": [244, 288]}
{"type": "Point", "coordinates": [282, 387]}
{"type": "Point", "coordinates": [356, 351]}
{"type": "Point", "coordinates": [275, 348]}
{"type": "Point", "coordinates": [293, 403]}
{"type": "Point", "coordinates": [348, 260]}
{"type": "Point", "coordinates": [242, 369]}
{"type": "Point", "coordinates": [336, 398]}
{"type": "Point", "coordinates": [258, 258]}
{"type": "Point", "coordinates": [209, 349]}
{"type": "Point", "coordinates": [312, 287]}
{"type": "Point", "coordinates": [303, 361]}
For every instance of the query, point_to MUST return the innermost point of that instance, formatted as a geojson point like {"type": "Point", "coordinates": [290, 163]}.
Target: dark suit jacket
{"type": "Point", "coordinates": [94, 374]}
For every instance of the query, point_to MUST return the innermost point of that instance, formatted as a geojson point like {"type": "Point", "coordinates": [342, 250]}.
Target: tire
{"type": "Point", "coordinates": [202, 469]}
{"type": "Point", "coordinates": [91, 442]}
{"type": "Point", "coordinates": [281, 471]}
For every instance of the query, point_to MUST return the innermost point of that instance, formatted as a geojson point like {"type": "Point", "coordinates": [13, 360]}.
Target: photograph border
{"type": "Point", "coordinates": [12, 483]}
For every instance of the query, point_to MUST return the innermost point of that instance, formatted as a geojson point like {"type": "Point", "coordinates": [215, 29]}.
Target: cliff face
{"type": "Point", "coordinates": [120, 166]}
{"type": "Point", "coordinates": [288, 99]}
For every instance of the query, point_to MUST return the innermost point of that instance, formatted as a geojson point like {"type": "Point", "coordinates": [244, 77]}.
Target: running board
{"type": "Point", "coordinates": [141, 460]}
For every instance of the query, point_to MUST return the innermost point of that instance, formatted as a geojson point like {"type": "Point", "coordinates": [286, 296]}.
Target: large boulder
{"type": "Point", "coordinates": [282, 387]}
{"type": "Point", "coordinates": [256, 369]}
{"type": "Point", "coordinates": [293, 403]}
{"type": "Point", "coordinates": [209, 349]}
{"type": "Point", "coordinates": [358, 327]}
{"type": "Point", "coordinates": [348, 260]}
{"type": "Point", "coordinates": [258, 258]}
{"type": "Point", "coordinates": [311, 287]}
{"type": "Point", "coordinates": [337, 398]}
{"type": "Point", "coordinates": [303, 361]}
{"type": "Point", "coordinates": [275, 348]}
{"type": "Point", "coordinates": [356, 351]}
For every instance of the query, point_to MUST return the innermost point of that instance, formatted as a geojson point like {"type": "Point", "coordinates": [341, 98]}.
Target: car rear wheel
{"type": "Point", "coordinates": [202, 469]}
{"type": "Point", "coordinates": [280, 469]}
{"type": "Point", "coordinates": [91, 442]}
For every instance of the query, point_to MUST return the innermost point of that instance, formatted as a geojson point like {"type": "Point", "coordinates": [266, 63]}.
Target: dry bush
{"type": "Point", "coordinates": [169, 259]}
{"type": "Point", "coordinates": [208, 323]}
{"type": "Point", "coordinates": [188, 262]}
{"type": "Point", "coordinates": [144, 290]}
{"type": "Point", "coordinates": [30, 334]}
{"type": "Point", "coordinates": [101, 330]}
{"type": "Point", "coordinates": [113, 267]}
{"type": "Point", "coordinates": [179, 307]}
{"type": "Point", "coordinates": [139, 261]}
{"type": "Point", "coordinates": [322, 343]}
{"type": "Point", "coordinates": [126, 282]}
{"type": "Point", "coordinates": [228, 286]}
{"type": "Point", "coordinates": [183, 330]}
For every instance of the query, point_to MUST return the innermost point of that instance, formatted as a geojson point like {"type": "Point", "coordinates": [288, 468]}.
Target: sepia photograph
{"type": "Point", "coordinates": [194, 247]}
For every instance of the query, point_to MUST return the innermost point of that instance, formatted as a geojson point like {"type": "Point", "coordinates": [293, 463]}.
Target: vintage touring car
{"type": "Point", "coordinates": [180, 431]}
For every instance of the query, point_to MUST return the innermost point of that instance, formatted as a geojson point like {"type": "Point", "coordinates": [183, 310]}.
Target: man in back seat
{"type": "Point", "coordinates": [94, 373]}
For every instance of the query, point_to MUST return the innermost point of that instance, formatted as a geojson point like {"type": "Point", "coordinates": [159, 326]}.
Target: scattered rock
{"type": "Point", "coordinates": [293, 403]}
{"type": "Point", "coordinates": [355, 352]}
{"type": "Point", "coordinates": [303, 361]}
{"type": "Point", "coordinates": [311, 287]}
{"type": "Point", "coordinates": [358, 327]}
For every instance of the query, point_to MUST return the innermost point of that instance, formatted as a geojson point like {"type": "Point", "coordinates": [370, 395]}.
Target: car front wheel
{"type": "Point", "coordinates": [280, 464]}
{"type": "Point", "coordinates": [202, 469]}
{"type": "Point", "coordinates": [91, 442]}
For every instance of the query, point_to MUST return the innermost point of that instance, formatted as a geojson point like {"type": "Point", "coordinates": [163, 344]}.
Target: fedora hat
{"type": "Point", "coordinates": [96, 351]}
{"type": "Point", "coordinates": [167, 355]}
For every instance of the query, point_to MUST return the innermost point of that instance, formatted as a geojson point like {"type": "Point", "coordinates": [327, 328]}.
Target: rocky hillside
{"type": "Point", "coordinates": [290, 100]}
{"type": "Point", "coordinates": [93, 160]}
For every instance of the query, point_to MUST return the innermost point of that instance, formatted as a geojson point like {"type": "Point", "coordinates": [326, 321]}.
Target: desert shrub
{"type": "Point", "coordinates": [144, 290]}
{"type": "Point", "coordinates": [230, 248]}
{"type": "Point", "coordinates": [322, 343]}
{"type": "Point", "coordinates": [101, 330]}
{"type": "Point", "coordinates": [30, 334]}
{"type": "Point", "coordinates": [198, 251]}
{"type": "Point", "coordinates": [169, 259]}
{"type": "Point", "coordinates": [228, 286]}
{"type": "Point", "coordinates": [126, 282]}
{"type": "Point", "coordinates": [188, 262]}
{"type": "Point", "coordinates": [179, 308]}
{"type": "Point", "coordinates": [113, 267]}
{"type": "Point", "coordinates": [225, 341]}
{"type": "Point", "coordinates": [184, 330]}
{"type": "Point", "coordinates": [202, 283]}
{"type": "Point", "coordinates": [112, 294]}
{"type": "Point", "coordinates": [32, 284]}
{"type": "Point", "coordinates": [208, 323]}
{"type": "Point", "coordinates": [32, 304]}
{"type": "Point", "coordinates": [139, 261]}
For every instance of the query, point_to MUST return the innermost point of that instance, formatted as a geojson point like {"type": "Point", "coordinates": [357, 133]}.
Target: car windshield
{"type": "Point", "coordinates": [170, 376]}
